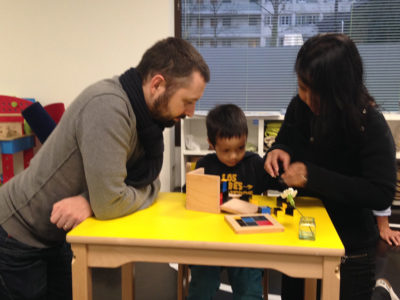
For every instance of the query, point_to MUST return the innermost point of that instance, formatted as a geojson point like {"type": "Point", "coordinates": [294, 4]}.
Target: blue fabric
{"type": "Point", "coordinates": [28, 273]}
{"type": "Point", "coordinates": [246, 282]}
{"type": "Point", "coordinates": [39, 120]}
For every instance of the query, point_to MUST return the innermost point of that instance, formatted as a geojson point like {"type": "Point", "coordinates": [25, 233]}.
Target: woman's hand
{"type": "Point", "coordinates": [295, 175]}
{"type": "Point", "coordinates": [69, 212]}
{"type": "Point", "coordinates": [392, 237]}
{"type": "Point", "coordinates": [272, 162]}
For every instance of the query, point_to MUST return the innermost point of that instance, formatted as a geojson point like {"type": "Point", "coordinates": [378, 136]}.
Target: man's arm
{"type": "Point", "coordinates": [106, 134]}
{"type": "Point", "coordinates": [70, 212]}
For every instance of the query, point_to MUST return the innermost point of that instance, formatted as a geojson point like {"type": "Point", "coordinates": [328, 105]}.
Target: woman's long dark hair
{"type": "Point", "coordinates": [331, 66]}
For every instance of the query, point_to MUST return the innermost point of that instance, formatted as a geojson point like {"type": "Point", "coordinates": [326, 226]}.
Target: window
{"type": "Point", "coordinates": [267, 20]}
{"type": "Point", "coordinates": [214, 22]}
{"type": "Point", "coordinates": [306, 19]}
{"type": "Point", "coordinates": [226, 43]}
{"type": "Point", "coordinates": [285, 20]}
{"type": "Point", "coordinates": [199, 43]}
{"type": "Point", "coordinates": [254, 20]}
{"type": "Point", "coordinates": [199, 21]}
{"type": "Point", "coordinates": [226, 21]}
{"type": "Point", "coordinates": [252, 64]}
{"type": "Point", "coordinates": [253, 43]}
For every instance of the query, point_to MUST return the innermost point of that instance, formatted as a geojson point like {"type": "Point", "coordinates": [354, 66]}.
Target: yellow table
{"type": "Point", "coordinates": [167, 232]}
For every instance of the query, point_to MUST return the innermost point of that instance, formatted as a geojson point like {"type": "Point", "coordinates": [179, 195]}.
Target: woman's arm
{"type": "Point", "coordinates": [374, 187]}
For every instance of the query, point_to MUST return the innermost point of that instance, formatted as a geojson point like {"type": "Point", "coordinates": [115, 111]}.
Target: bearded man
{"type": "Point", "coordinates": [102, 159]}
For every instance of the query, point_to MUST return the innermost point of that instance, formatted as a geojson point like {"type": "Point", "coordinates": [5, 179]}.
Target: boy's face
{"type": "Point", "coordinates": [230, 151]}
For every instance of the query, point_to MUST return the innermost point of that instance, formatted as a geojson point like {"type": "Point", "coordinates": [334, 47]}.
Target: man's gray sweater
{"type": "Point", "coordinates": [87, 153]}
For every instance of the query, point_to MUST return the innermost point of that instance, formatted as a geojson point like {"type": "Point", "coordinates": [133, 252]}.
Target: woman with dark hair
{"type": "Point", "coordinates": [336, 145]}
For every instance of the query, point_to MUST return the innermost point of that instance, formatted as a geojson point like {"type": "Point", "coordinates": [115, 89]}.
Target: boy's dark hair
{"type": "Point", "coordinates": [225, 121]}
{"type": "Point", "coordinates": [175, 59]}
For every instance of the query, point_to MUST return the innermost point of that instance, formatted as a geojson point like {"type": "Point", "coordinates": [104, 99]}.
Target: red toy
{"type": "Point", "coordinates": [12, 135]}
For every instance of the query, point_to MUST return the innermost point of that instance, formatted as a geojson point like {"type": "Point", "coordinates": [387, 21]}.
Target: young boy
{"type": "Point", "coordinates": [227, 134]}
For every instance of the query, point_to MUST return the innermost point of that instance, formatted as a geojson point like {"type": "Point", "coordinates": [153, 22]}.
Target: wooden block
{"type": "Point", "coordinates": [237, 206]}
{"type": "Point", "coordinates": [202, 191]}
{"type": "Point", "coordinates": [253, 223]}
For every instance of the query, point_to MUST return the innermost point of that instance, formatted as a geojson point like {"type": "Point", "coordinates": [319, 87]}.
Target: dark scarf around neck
{"type": "Point", "coordinates": [145, 170]}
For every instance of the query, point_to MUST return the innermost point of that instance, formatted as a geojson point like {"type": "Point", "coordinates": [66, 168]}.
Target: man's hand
{"type": "Point", "coordinates": [272, 162]}
{"type": "Point", "coordinates": [69, 212]}
{"type": "Point", "coordinates": [295, 175]}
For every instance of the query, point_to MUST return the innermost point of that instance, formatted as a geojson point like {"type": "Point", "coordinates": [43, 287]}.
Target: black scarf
{"type": "Point", "coordinates": [150, 133]}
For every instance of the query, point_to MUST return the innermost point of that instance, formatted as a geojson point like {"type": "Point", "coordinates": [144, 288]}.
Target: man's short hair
{"type": "Point", "coordinates": [225, 121]}
{"type": "Point", "coordinates": [175, 59]}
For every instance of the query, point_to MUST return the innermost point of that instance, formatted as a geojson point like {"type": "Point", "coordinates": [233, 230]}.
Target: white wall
{"type": "Point", "coordinates": [52, 49]}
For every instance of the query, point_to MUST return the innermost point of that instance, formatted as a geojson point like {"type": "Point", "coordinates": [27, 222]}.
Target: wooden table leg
{"type": "Point", "coordinates": [180, 279]}
{"type": "Point", "coordinates": [310, 289]}
{"type": "Point", "coordinates": [81, 273]}
{"type": "Point", "coordinates": [183, 281]}
{"type": "Point", "coordinates": [330, 289]}
{"type": "Point", "coordinates": [128, 281]}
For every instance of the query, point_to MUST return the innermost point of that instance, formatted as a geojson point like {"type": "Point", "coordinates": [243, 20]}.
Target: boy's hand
{"type": "Point", "coordinates": [69, 212]}
{"type": "Point", "coordinates": [273, 159]}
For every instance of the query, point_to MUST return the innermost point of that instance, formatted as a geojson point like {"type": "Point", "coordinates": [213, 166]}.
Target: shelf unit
{"type": "Point", "coordinates": [194, 135]}
{"type": "Point", "coordinates": [194, 129]}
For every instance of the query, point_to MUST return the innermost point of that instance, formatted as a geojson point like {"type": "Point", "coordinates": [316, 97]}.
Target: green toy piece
{"type": "Point", "coordinates": [289, 194]}
{"type": "Point", "coordinates": [27, 128]}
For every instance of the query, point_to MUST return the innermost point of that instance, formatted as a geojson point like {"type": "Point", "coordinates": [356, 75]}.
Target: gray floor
{"type": "Point", "coordinates": [153, 281]}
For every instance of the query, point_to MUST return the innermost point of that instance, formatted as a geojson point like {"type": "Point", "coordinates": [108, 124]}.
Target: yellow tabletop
{"type": "Point", "coordinates": [167, 222]}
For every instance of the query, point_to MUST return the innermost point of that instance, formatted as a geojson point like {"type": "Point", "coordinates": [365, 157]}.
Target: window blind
{"type": "Point", "coordinates": [251, 46]}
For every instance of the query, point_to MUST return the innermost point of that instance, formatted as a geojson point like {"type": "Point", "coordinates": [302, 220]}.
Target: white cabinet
{"type": "Point", "coordinates": [194, 135]}
{"type": "Point", "coordinates": [393, 120]}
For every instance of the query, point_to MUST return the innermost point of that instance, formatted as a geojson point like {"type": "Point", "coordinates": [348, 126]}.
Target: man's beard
{"type": "Point", "coordinates": [161, 105]}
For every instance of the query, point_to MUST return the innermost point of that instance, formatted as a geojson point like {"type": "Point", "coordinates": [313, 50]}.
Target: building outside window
{"type": "Point", "coordinates": [252, 63]}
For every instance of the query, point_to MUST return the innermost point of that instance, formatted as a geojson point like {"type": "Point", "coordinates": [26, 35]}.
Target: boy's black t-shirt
{"type": "Point", "coordinates": [248, 177]}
